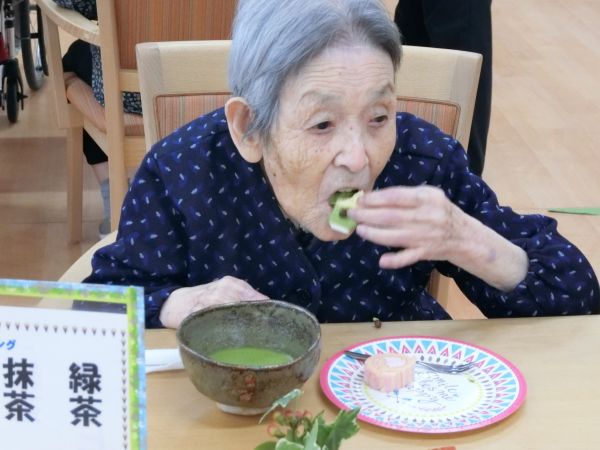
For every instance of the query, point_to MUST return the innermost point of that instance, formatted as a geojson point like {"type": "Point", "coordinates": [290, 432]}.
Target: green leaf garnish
{"type": "Point", "coordinates": [310, 443]}
{"type": "Point", "coordinates": [300, 431]}
{"type": "Point", "coordinates": [284, 444]}
{"type": "Point", "coordinates": [343, 427]}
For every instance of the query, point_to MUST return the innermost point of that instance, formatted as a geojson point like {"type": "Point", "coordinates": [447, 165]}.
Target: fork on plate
{"type": "Point", "coordinates": [435, 367]}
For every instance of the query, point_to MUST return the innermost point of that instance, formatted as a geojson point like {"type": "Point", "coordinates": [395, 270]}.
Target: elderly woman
{"type": "Point", "coordinates": [235, 205]}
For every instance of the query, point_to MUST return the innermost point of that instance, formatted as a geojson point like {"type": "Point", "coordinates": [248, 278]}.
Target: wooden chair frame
{"type": "Point", "coordinates": [199, 19]}
{"type": "Point", "coordinates": [125, 152]}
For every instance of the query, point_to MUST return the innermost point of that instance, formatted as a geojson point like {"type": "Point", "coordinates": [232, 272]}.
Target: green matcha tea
{"type": "Point", "coordinates": [251, 356]}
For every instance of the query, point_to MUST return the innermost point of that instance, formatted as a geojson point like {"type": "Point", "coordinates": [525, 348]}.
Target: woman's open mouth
{"type": "Point", "coordinates": [340, 195]}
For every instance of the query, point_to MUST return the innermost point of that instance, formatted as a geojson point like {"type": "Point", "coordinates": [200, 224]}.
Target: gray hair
{"type": "Point", "coordinates": [274, 39]}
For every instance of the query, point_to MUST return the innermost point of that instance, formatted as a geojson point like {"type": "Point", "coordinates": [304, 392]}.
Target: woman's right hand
{"type": "Point", "coordinates": [184, 301]}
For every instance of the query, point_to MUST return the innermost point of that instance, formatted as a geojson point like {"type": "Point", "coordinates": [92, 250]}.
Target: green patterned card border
{"type": "Point", "coordinates": [133, 299]}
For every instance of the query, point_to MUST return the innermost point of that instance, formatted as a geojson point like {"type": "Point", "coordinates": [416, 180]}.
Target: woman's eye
{"type": "Point", "coordinates": [323, 125]}
{"type": "Point", "coordinates": [380, 119]}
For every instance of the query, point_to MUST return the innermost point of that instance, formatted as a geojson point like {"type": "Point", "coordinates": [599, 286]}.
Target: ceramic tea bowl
{"type": "Point", "coordinates": [265, 324]}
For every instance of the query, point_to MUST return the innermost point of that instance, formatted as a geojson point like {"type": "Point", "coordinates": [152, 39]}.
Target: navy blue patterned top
{"type": "Point", "coordinates": [197, 211]}
{"type": "Point", "coordinates": [132, 102]}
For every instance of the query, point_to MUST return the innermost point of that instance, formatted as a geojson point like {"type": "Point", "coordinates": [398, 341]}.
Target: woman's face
{"type": "Point", "coordinates": [335, 130]}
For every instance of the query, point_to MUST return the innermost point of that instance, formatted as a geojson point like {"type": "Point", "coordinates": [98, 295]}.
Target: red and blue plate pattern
{"type": "Point", "coordinates": [434, 403]}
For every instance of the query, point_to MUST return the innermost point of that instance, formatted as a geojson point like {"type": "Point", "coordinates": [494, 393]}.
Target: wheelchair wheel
{"type": "Point", "coordinates": [11, 96]}
{"type": "Point", "coordinates": [32, 44]}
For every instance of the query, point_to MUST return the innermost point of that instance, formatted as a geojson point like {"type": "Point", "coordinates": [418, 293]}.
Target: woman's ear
{"type": "Point", "coordinates": [238, 116]}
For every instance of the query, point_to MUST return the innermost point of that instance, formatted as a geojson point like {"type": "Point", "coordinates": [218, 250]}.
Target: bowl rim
{"type": "Point", "coordinates": [227, 305]}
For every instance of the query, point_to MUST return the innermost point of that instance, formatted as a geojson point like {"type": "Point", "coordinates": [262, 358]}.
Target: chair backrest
{"type": "Point", "coordinates": [170, 20]}
{"type": "Point", "coordinates": [440, 85]}
{"type": "Point", "coordinates": [179, 82]}
{"type": "Point", "coordinates": [129, 22]}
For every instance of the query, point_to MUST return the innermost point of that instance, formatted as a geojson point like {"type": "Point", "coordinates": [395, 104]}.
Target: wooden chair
{"type": "Point", "coordinates": [438, 85]}
{"type": "Point", "coordinates": [123, 23]}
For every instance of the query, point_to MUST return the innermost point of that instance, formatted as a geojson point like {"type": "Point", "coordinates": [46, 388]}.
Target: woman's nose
{"type": "Point", "coordinates": [353, 153]}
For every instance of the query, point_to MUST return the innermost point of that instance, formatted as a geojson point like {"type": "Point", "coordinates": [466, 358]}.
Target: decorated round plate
{"type": "Point", "coordinates": [434, 402]}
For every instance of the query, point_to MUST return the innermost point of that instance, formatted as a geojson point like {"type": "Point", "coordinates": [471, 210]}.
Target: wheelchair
{"type": "Point", "coordinates": [21, 31]}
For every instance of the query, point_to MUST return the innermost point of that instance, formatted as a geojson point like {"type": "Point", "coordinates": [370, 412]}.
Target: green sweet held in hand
{"type": "Point", "coordinates": [341, 203]}
{"type": "Point", "coordinates": [296, 430]}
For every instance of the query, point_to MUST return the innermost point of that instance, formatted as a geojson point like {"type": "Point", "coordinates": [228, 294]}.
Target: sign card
{"type": "Point", "coordinates": [72, 379]}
